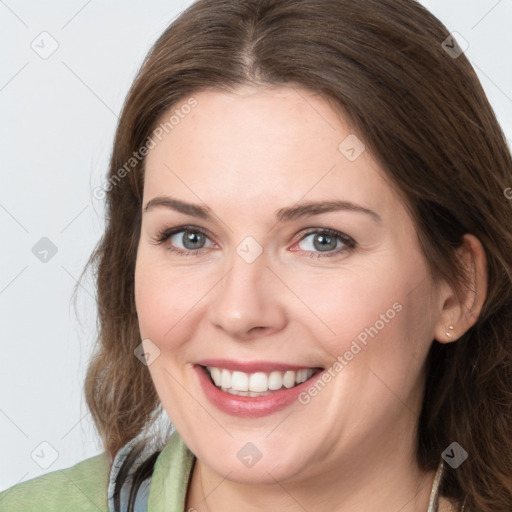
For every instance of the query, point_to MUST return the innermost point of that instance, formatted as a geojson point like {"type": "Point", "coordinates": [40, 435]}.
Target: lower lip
{"type": "Point", "coordinates": [247, 406]}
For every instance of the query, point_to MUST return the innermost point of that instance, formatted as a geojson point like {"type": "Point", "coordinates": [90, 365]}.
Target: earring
{"type": "Point", "coordinates": [449, 334]}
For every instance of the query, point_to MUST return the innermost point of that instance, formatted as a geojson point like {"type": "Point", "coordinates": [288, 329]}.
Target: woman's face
{"type": "Point", "coordinates": [289, 252]}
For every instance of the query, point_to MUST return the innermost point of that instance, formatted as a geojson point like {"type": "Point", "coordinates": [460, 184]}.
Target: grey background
{"type": "Point", "coordinates": [58, 119]}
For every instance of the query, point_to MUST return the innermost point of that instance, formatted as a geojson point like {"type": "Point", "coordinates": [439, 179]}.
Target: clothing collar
{"type": "Point", "coordinates": [166, 489]}
{"type": "Point", "coordinates": [171, 476]}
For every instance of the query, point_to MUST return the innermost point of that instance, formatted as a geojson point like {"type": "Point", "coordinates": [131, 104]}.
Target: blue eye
{"type": "Point", "coordinates": [327, 241]}
{"type": "Point", "coordinates": [191, 239]}
{"type": "Point", "coordinates": [188, 240]}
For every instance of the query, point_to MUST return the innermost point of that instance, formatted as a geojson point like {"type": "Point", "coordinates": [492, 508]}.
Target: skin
{"type": "Point", "coordinates": [245, 155]}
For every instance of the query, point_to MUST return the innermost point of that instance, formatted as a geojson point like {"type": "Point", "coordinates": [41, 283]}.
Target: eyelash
{"type": "Point", "coordinates": [162, 236]}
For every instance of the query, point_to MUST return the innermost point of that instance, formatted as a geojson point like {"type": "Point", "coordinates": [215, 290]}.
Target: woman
{"type": "Point", "coordinates": [306, 268]}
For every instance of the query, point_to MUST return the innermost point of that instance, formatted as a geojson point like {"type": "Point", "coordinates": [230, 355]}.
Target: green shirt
{"type": "Point", "coordinates": [83, 487]}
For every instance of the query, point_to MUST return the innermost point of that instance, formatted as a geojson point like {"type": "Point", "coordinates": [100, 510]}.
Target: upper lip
{"type": "Point", "coordinates": [252, 366]}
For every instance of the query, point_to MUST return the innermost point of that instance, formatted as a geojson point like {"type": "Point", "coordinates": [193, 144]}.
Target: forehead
{"type": "Point", "coordinates": [280, 143]}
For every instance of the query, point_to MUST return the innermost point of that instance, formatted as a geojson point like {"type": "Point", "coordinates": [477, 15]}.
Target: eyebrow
{"type": "Point", "coordinates": [319, 207]}
{"type": "Point", "coordinates": [307, 209]}
{"type": "Point", "coordinates": [179, 206]}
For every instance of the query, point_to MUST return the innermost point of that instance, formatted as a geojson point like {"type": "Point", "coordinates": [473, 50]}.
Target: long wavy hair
{"type": "Point", "coordinates": [391, 68]}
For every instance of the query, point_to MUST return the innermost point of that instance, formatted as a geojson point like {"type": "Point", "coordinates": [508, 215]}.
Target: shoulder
{"type": "Point", "coordinates": [82, 487]}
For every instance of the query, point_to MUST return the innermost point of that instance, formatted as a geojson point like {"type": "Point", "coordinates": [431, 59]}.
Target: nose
{"type": "Point", "coordinates": [247, 303]}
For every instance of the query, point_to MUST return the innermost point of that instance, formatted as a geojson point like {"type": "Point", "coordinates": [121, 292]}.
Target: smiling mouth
{"type": "Point", "coordinates": [257, 383]}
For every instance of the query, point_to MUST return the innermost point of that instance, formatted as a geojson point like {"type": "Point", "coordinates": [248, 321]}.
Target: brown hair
{"type": "Point", "coordinates": [423, 115]}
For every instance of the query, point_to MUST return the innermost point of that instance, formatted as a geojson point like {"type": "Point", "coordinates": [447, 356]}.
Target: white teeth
{"type": "Point", "coordinates": [259, 383]}
{"type": "Point", "coordinates": [225, 380]}
{"type": "Point", "coordinates": [289, 379]}
{"type": "Point", "coordinates": [240, 381]}
{"type": "Point", "coordinates": [301, 376]}
{"type": "Point", "coordinates": [275, 381]}
{"type": "Point", "coordinates": [216, 376]}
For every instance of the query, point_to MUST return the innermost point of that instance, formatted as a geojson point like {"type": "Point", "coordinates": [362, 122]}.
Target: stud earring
{"type": "Point", "coordinates": [449, 334]}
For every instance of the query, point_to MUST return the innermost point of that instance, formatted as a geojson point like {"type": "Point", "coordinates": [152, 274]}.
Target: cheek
{"type": "Point", "coordinates": [167, 300]}
{"type": "Point", "coordinates": [344, 305]}
{"type": "Point", "coordinates": [367, 322]}
{"type": "Point", "coordinates": [373, 318]}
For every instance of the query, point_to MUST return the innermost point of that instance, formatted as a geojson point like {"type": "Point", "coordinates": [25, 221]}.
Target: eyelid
{"type": "Point", "coordinates": [163, 235]}
{"type": "Point", "coordinates": [332, 232]}
{"type": "Point", "coordinates": [349, 244]}
{"type": "Point", "coordinates": [166, 233]}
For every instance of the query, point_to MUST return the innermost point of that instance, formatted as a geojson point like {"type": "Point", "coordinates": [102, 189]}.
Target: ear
{"type": "Point", "coordinates": [458, 314]}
